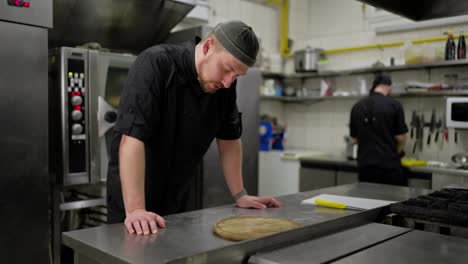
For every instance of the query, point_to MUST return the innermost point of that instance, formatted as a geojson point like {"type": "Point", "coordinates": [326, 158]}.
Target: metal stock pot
{"type": "Point", "coordinates": [461, 159]}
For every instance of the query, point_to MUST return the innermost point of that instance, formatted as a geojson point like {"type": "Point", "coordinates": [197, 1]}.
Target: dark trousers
{"type": "Point", "coordinates": [394, 176]}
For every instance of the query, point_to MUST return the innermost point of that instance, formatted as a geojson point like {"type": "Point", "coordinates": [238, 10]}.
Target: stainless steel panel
{"type": "Point", "coordinates": [312, 179]}
{"type": "Point", "coordinates": [24, 157]}
{"type": "Point", "coordinates": [38, 14]}
{"type": "Point", "coordinates": [414, 247]}
{"type": "Point", "coordinates": [60, 88]}
{"type": "Point", "coordinates": [417, 10]}
{"type": "Point", "coordinates": [440, 180]}
{"type": "Point", "coordinates": [345, 177]}
{"type": "Point", "coordinates": [115, 24]}
{"type": "Point", "coordinates": [331, 247]}
{"type": "Point", "coordinates": [189, 236]}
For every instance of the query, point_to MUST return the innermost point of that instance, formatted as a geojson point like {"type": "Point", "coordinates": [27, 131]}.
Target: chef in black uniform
{"type": "Point", "coordinates": [175, 101]}
{"type": "Point", "coordinates": [378, 126]}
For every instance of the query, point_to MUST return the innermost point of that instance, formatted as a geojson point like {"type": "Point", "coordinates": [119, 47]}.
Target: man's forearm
{"type": "Point", "coordinates": [401, 142]}
{"type": "Point", "coordinates": [401, 147]}
{"type": "Point", "coordinates": [230, 153]}
{"type": "Point", "coordinates": [132, 173]}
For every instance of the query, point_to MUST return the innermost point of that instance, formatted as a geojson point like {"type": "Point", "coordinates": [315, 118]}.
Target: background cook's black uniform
{"type": "Point", "coordinates": [375, 121]}
{"type": "Point", "coordinates": [163, 105]}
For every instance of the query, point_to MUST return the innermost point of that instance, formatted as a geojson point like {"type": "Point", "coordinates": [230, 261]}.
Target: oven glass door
{"type": "Point", "coordinates": [106, 85]}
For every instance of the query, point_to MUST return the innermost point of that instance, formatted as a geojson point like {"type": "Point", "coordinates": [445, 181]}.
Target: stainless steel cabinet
{"type": "Point", "coordinates": [346, 177]}
{"type": "Point", "coordinates": [24, 183]}
{"type": "Point", "coordinates": [441, 180]}
{"type": "Point", "coordinates": [311, 179]}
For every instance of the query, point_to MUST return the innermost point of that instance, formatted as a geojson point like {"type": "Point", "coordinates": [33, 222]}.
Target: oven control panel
{"type": "Point", "coordinates": [76, 94]}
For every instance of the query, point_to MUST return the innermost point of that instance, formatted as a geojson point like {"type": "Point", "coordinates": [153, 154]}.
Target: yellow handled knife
{"type": "Point", "coordinates": [337, 205]}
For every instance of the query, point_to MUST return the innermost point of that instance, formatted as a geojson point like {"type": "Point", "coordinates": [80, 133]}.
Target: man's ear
{"type": "Point", "coordinates": [208, 45]}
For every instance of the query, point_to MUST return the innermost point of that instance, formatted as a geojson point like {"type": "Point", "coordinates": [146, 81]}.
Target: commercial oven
{"type": "Point", "coordinates": [85, 88]}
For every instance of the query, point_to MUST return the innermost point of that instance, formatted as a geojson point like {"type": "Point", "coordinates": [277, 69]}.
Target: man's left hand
{"type": "Point", "coordinates": [248, 201]}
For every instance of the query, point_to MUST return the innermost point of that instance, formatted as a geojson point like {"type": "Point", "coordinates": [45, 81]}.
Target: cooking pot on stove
{"type": "Point", "coordinates": [461, 159]}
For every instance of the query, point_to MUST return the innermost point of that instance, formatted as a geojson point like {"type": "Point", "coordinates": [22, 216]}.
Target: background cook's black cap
{"type": "Point", "coordinates": [381, 78]}
{"type": "Point", "coordinates": [239, 39]}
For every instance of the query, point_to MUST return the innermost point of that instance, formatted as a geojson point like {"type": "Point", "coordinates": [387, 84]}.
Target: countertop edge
{"type": "Point", "coordinates": [352, 165]}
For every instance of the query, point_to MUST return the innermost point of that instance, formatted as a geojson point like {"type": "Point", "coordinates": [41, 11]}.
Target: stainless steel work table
{"type": "Point", "coordinates": [341, 163]}
{"type": "Point", "coordinates": [414, 247]}
{"type": "Point", "coordinates": [188, 237]}
{"type": "Point", "coordinates": [371, 243]}
{"type": "Point", "coordinates": [332, 247]}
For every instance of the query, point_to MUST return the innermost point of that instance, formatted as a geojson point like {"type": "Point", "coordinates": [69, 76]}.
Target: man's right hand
{"type": "Point", "coordinates": [143, 222]}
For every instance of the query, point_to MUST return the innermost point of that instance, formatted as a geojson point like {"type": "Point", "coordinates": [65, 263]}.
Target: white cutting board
{"type": "Point", "coordinates": [361, 203]}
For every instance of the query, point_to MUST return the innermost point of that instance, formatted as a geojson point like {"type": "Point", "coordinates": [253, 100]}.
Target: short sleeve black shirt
{"type": "Point", "coordinates": [163, 105]}
{"type": "Point", "coordinates": [374, 122]}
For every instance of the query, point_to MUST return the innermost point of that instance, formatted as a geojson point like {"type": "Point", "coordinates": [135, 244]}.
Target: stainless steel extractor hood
{"type": "Point", "coordinates": [121, 25]}
{"type": "Point", "coordinates": [422, 10]}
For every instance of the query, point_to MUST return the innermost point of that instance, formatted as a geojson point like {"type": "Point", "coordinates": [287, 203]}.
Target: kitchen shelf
{"type": "Point", "coordinates": [294, 99]}
{"type": "Point", "coordinates": [441, 64]}
{"type": "Point", "coordinates": [434, 93]}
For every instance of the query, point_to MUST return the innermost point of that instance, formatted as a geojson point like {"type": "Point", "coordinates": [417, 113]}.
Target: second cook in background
{"type": "Point", "coordinates": [377, 123]}
{"type": "Point", "coordinates": [176, 100]}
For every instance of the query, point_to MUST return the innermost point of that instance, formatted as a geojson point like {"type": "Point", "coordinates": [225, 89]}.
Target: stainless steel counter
{"type": "Point", "coordinates": [444, 171]}
{"type": "Point", "coordinates": [332, 247]}
{"type": "Point", "coordinates": [344, 164]}
{"type": "Point", "coordinates": [189, 238]}
{"type": "Point", "coordinates": [371, 243]}
{"type": "Point", "coordinates": [414, 247]}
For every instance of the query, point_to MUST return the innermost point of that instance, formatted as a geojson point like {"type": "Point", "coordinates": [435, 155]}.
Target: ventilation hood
{"type": "Point", "coordinates": [120, 25]}
{"type": "Point", "coordinates": [422, 10]}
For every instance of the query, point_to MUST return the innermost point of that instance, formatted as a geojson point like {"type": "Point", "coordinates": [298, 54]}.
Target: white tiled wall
{"type": "Point", "coordinates": [331, 24]}
{"type": "Point", "coordinates": [319, 125]}
{"type": "Point", "coordinates": [263, 18]}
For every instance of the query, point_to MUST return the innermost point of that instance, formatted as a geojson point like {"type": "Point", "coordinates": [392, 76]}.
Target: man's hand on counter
{"type": "Point", "coordinates": [248, 201]}
{"type": "Point", "coordinates": [143, 222]}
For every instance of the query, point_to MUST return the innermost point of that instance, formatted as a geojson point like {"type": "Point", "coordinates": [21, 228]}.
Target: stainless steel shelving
{"type": "Point", "coordinates": [311, 99]}
{"type": "Point", "coordinates": [305, 99]}
{"type": "Point", "coordinates": [421, 66]}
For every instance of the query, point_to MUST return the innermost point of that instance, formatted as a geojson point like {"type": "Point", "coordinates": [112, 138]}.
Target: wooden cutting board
{"type": "Point", "coordinates": [249, 227]}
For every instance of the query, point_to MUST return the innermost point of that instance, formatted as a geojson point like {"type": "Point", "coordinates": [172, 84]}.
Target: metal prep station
{"type": "Point", "coordinates": [328, 235]}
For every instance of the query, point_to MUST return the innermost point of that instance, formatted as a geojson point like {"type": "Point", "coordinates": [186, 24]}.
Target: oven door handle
{"type": "Point", "coordinates": [106, 116]}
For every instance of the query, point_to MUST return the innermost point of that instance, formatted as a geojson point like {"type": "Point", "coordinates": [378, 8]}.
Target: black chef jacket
{"type": "Point", "coordinates": [163, 105]}
{"type": "Point", "coordinates": [375, 121]}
